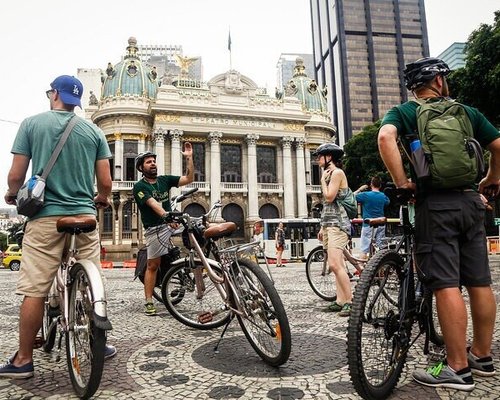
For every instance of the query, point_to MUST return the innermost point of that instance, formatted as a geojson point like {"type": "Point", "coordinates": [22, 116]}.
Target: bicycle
{"type": "Point", "coordinates": [205, 293]}
{"type": "Point", "coordinates": [167, 259]}
{"type": "Point", "coordinates": [81, 318]}
{"type": "Point", "coordinates": [321, 278]}
{"type": "Point", "coordinates": [388, 301]}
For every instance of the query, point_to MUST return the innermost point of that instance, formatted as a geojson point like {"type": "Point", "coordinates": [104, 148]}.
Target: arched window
{"type": "Point", "coordinates": [107, 223]}
{"type": "Point", "coordinates": [268, 211]}
{"type": "Point", "coordinates": [127, 220]}
{"type": "Point", "coordinates": [194, 209]}
{"type": "Point", "coordinates": [234, 213]}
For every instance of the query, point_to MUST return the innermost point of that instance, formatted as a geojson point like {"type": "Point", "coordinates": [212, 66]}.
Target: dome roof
{"type": "Point", "coordinates": [306, 89]}
{"type": "Point", "coordinates": [130, 76]}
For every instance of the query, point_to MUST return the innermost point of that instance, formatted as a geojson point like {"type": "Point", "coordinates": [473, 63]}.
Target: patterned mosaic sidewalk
{"type": "Point", "coordinates": [160, 358]}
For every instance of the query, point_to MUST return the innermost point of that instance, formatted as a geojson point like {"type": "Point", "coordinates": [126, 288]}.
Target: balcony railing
{"type": "Point", "coordinates": [270, 188]}
{"type": "Point", "coordinates": [202, 186]}
{"type": "Point", "coordinates": [313, 189]}
{"type": "Point", "coordinates": [123, 185]}
{"type": "Point", "coordinates": [240, 187]}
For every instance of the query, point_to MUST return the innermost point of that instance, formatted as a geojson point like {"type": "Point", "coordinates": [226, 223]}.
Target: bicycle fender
{"type": "Point", "coordinates": [212, 263]}
{"type": "Point", "coordinates": [99, 294]}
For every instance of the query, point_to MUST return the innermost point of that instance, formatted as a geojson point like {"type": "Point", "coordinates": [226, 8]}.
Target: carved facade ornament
{"type": "Point", "coordinates": [143, 136]}
{"type": "Point", "coordinates": [117, 136]}
{"type": "Point", "coordinates": [286, 142]}
{"type": "Point", "coordinates": [93, 99]}
{"type": "Point", "coordinates": [293, 127]}
{"type": "Point", "coordinates": [251, 139]}
{"type": "Point", "coordinates": [168, 118]}
{"type": "Point", "coordinates": [299, 143]}
{"type": "Point", "coordinates": [176, 134]}
{"type": "Point", "coordinates": [159, 135]}
{"type": "Point", "coordinates": [184, 63]}
{"type": "Point", "coordinates": [215, 137]}
{"type": "Point", "coordinates": [290, 89]}
{"type": "Point", "coordinates": [233, 82]}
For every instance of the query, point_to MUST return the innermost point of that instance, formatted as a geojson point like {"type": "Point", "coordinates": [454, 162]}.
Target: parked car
{"type": "Point", "coordinates": [12, 257]}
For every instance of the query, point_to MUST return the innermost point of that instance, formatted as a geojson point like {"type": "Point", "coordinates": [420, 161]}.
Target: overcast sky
{"type": "Point", "coordinates": [44, 39]}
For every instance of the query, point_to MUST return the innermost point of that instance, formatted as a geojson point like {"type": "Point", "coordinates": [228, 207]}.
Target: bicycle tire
{"type": "Point", "coordinates": [376, 354]}
{"type": "Point", "coordinates": [85, 342]}
{"type": "Point", "coordinates": [180, 298]}
{"type": "Point", "coordinates": [265, 323]}
{"type": "Point", "coordinates": [322, 282]}
{"type": "Point", "coordinates": [49, 330]}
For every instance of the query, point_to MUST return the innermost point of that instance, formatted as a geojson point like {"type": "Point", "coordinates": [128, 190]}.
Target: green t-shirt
{"type": "Point", "coordinates": [160, 191]}
{"type": "Point", "coordinates": [70, 184]}
{"type": "Point", "coordinates": [404, 118]}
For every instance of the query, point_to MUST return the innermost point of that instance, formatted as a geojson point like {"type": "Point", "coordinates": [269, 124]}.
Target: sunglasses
{"type": "Point", "coordinates": [48, 92]}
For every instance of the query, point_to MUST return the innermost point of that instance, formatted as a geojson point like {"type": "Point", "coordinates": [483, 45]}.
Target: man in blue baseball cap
{"type": "Point", "coordinates": [69, 89]}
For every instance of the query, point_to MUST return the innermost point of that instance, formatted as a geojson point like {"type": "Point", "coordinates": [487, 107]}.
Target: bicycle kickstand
{"type": "Point", "coordinates": [216, 347]}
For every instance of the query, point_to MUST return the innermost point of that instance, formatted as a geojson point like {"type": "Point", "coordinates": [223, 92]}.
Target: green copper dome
{"type": "Point", "coordinates": [306, 89]}
{"type": "Point", "coordinates": [130, 76]}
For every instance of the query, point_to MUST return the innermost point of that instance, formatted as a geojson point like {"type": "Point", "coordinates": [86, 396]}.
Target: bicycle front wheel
{"type": "Point", "coordinates": [319, 276]}
{"type": "Point", "coordinates": [263, 318]}
{"type": "Point", "coordinates": [377, 337]}
{"type": "Point", "coordinates": [192, 298]}
{"type": "Point", "coordinates": [85, 342]}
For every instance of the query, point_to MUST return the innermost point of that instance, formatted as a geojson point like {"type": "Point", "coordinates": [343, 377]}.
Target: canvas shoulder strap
{"type": "Point", "coordinates": [59, 147]}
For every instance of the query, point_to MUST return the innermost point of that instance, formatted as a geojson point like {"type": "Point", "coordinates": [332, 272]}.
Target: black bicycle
{"type": "Point", "coordinates": [389, 300]}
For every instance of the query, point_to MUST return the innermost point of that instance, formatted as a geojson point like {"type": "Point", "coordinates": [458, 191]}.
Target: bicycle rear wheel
{"type": "Point", "coordinates": [84, 340]}
{"type": "Point", "coordinates": [377, 338]}
{"type": "Point", "coordinates": [319, 276]}
{"type": "Point", "coordinates": [203, 309]}
{"type": "Point", "coordinates": [264, 321]}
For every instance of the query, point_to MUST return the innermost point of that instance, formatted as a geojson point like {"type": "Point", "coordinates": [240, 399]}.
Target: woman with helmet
{"type": "Point", "coordinates": [335, 223]}
{"type": "Point", "coordinates": [450, 240]}
{"type": "Point", "coordinates": [152, 195]}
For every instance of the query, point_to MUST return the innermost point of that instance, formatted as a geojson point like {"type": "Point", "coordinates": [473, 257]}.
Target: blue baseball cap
{"type": "Point", "coordinates": [69, 89]}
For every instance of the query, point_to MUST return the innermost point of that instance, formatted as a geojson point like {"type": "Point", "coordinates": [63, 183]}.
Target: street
{"type": "Point", "coordinates": [160, 358]}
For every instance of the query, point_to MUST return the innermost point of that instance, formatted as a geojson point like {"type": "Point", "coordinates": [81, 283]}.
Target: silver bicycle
{"type": "Point", "coordinates": [81, 317]}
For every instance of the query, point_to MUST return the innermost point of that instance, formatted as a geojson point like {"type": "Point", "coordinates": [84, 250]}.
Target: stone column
{"type": "Point", "coordinates": [253, 195]}
{"type": "Point", "coordinates": [118, 173]}
{"type": "Point", "coordinates": [214, 138]}
{"type": "Point", "coordinates": [159, 139]}
{"type": "Point", "coordinates": [175, 157]}
{"type": "Point", "coordinates": [301, 179]}
{"type": "Point", "coordinates": [287, 177]}
{"type": "Point", "coordinates": [141, 145]}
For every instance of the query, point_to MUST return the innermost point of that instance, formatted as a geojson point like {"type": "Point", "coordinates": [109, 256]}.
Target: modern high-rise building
{"type": "Point", "coordinates": [360, 48]}
{"type": "Point", "coordinates": [454, 55]}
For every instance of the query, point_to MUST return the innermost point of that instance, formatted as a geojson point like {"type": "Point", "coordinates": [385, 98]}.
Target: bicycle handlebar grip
{"type": "Point", "coordinates": [172, 216]}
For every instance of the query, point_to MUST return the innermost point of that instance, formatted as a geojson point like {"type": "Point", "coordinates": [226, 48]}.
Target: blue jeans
{"type": "Point", "coordinates": [366, 237]}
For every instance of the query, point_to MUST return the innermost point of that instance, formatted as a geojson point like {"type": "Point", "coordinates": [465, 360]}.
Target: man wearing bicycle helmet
{"type": "Point", "coordinates": [152, 195]}
{"type": "Point", "coordinates": [335, 223]}
{"type": "Point", "coordinates": [449, 232]}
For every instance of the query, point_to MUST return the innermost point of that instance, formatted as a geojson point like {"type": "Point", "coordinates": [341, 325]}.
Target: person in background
{"type": "Point", "coordinates": [152, 195]}
{"type": "Point", "coordinates": [69, 192]}
{"type": "Point", "coordinates": [450, 237]}
{"type": "Point", "coordinates": [335, 223]}
{"type": "Point", "coordinates": [373, 203]}
{"type": "Point", "coordinates": [279, 238]}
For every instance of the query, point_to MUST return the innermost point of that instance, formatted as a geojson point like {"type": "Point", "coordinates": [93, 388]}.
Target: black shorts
{"type": "Point", "coordinates": [451, 248]}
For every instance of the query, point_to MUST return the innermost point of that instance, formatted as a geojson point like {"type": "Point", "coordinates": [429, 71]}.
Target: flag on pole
{"type": "Point", "coordinates": [229, 41]}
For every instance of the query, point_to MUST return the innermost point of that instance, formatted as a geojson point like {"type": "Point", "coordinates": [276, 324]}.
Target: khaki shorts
{"type": "Point", "coordinates": [43, 248]}
{"type": "Point", "coordinates": [334, 237]}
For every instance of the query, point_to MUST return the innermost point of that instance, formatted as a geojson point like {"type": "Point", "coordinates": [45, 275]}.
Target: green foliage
{"type": "Point", "coordinates": [362, 160]}
{"type": "Point", "coordinates": [3, 241]}
{"type": "Point", "coordinates": [478, 83]}
{"type": "Point", "coordinates": [12, 231]}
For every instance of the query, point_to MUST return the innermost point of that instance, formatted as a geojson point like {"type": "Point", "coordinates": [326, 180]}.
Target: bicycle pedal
{"type": "Point", "coordinates": [38, 342]}
{"type": "Point", "coordinates": [205, 317]}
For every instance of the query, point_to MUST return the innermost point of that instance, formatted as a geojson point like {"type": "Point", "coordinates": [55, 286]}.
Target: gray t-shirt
{"type": "Point", "coordinates": [70, 184]}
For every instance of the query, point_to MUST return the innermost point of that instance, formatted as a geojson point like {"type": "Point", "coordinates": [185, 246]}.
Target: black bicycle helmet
{"type": "Point", "coordinates": [329, 148]}
{"type": "Point", "coordinates": [139, 160]}
{"type": "Point", "coordinates": [424, 70]}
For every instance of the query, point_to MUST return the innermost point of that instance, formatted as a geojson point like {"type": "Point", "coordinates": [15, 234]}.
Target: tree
{"type": "Point", "coordinates": [478, 83]}
{"type": "Point", "coordinates": [362, 160]}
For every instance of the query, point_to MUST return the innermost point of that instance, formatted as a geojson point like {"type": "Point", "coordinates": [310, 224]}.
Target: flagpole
{"type": "Point", "coordinates": [230, 51]}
